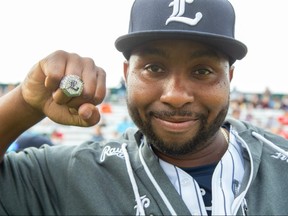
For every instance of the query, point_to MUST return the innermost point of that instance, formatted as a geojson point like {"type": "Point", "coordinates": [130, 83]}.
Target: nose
{"type": "Point", "coordinates": [177, 92]}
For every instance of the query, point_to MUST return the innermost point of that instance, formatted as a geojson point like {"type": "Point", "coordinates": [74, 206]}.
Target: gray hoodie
{"type": "Point", "coordinates": [124, 177]}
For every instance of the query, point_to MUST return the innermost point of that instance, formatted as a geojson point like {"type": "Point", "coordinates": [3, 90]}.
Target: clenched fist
{"type": "Point", "coordinates": [41, 91]}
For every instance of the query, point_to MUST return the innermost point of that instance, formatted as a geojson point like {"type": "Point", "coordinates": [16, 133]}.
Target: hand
{"type": "Point", "coordinates": [41, 90]}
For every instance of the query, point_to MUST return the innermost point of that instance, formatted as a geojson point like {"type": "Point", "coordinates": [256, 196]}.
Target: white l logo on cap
{"type": "Point", "coordinates": [178, 11]}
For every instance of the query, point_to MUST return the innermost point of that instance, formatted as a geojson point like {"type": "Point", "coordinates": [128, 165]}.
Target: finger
{"type": "Point", "coordinates": [86, 116]}
{"type": "Point", "coordinates": [89, 77]}
{"type": "Point", "coordinates": [59, 64]}
{"type": "Point", "coordinates": [100, 86]}
{"type": "Point", "coordinates": [89, 114]}
{"type": "Point", "coordinates": [54, 68]}
{"type": "Point", "coordinates": [74, 66]}
{"type": "Point", "coordinates": [95, 84]}
{"type": "Point", "coordinates": [60, 98]}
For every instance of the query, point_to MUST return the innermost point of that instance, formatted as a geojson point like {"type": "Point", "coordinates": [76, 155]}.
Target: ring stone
{"type": "Point", "coordinates": [72, 85]}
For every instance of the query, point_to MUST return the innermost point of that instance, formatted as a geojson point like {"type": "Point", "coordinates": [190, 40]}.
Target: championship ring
{"type": "Point", "coordinates": [71, 85]}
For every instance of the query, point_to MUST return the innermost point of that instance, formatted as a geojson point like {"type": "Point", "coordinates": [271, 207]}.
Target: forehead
{"type": "Point", "coordinates": [165, 47]}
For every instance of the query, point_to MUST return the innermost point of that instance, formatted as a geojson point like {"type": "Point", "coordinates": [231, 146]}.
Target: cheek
{"type": "Point", "coordinates": [141, 93]}
{"type": "Point", "coordinates": [214, 97]}
{"type": "Point", "coordinates": [221, 90]}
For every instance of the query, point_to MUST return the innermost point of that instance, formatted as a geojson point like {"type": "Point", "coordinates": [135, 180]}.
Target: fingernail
{"type": "Point", "coordinates": [87, 114]}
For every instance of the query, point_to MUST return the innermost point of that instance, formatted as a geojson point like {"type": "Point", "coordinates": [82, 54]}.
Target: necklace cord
{"type": "Point", "coordinates": [223, 131]}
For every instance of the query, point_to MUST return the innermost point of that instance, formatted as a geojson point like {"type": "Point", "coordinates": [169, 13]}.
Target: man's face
{"type": "Point", "coordinates": [178, 94]}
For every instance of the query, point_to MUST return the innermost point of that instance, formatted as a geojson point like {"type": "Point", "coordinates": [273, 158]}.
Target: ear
{"type": "Point", "coordinates": [231, 72]}
{"type": "Point", "coordinates": [125, 70]}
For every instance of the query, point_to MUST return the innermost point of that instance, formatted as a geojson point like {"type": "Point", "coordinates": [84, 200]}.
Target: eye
{"type": "Point", "coordinates": [154, 68]}
{"type": "Point", "coordinates": [202, 71]}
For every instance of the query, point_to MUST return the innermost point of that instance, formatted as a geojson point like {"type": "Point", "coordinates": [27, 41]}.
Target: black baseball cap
{"type": "Point", "coordinates": [211, 22]}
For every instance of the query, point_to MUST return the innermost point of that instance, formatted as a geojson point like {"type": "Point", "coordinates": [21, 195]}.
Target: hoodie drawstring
{"type": "Point", "coordinates": [269, 143]}
{"type": "Point", "coordinates": [241, 200]}
{"type": "Point", "coordinates": [140, 208]}
{"type": "Point", "coordinates": [244, 207]}
{"type": "Point", "coordinates": [132, 180]}
{"type": "Point", "coordinates": [156, 185]}
{"type": "Point", "coordinates": [134, 184]}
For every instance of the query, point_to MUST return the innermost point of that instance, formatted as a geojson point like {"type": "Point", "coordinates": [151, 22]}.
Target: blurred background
{"type": "Point", "coordinates": [32, 29]}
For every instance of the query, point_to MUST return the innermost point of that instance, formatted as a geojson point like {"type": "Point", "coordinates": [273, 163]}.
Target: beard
{"type": "Point", "coordinates": [202, 139]}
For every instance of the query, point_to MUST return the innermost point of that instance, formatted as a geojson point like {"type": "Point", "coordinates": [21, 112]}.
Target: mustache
{"type": "Point", "coordinates": [171, 113]}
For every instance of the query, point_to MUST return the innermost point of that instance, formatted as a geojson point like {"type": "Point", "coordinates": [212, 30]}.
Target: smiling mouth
{"type": "Point", "coordinates": [175, 119]}
{"type": "Point", "coordinates": [176, 116]}
{"type": "Point", "coordinates": [175, 123]}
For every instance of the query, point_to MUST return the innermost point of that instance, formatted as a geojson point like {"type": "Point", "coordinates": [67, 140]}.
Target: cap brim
{"type": "Point", "coordinates": [235, 49]}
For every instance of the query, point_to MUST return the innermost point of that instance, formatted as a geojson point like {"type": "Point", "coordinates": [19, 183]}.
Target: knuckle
{"type": "Point", "coordinates": [89, 62]}
{"type": "Point", "coordinates": [59, 53]}
{"type": "Point", "coordinates": [87, 96]}
{"type": "Point", "coordinates": [101, 71]}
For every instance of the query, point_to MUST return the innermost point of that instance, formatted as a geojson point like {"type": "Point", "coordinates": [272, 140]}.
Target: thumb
{"type": "Point", "coordinates": [89, 115]}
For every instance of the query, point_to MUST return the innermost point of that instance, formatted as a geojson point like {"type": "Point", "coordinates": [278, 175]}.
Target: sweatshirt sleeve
{"type": "Point", "coordinates": [33, 181]}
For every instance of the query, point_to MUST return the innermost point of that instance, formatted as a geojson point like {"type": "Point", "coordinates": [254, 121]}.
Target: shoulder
{"type": "Point", "coordinates": [130, 138]}
{"type": "Point", "coordinates": [62, 155]}
{"type": "Point", "coordinates": [246, 131]}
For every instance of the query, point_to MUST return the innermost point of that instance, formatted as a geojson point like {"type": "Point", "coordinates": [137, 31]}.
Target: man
{"type": "Point", "coordinates": [184, 159]}
{"type": "Point", "coordinates": [30, 139]}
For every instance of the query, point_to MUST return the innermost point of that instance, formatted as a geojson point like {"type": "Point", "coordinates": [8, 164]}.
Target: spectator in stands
{"type": "Point", "coordinates": [97, 135]}
{"type": "Point", "coordinates": [284, 102]}
{"type": "Point", "coordinates": [30, 139]}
